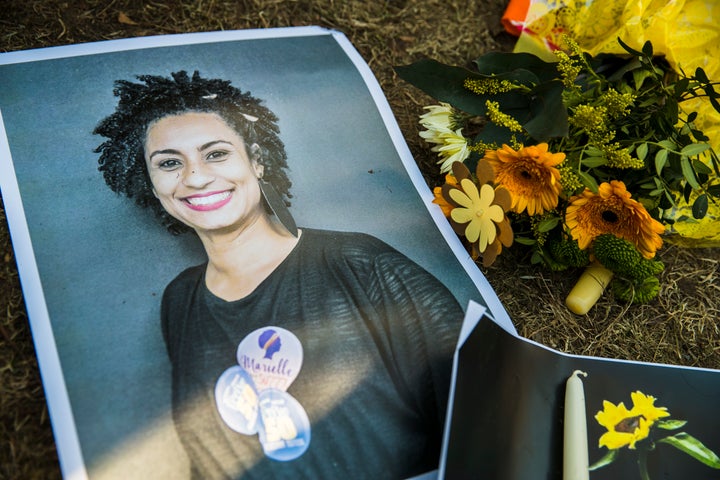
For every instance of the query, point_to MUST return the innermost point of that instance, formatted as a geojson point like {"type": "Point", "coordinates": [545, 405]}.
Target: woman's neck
{"type": "Point", "coordinates": [239, 261]}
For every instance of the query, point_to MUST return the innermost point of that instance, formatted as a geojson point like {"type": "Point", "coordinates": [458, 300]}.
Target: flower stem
{"type": "Point", "coordinates": [642, 464]}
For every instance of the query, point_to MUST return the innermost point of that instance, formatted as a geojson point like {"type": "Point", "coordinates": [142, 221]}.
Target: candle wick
{"type": "Point", "coordinates": [579, 372]}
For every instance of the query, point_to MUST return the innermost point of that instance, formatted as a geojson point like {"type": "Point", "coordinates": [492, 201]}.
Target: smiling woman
{"type": "Point", "coordinates": [295, 352]}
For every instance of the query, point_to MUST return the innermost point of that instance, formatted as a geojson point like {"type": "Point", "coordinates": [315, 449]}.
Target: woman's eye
{"type": "Point", "coordinates": [169, 164]}
{"type": "Point", "coordinates": [216, 155]}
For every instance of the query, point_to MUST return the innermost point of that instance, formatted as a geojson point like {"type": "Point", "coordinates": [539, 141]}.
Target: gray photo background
{"type": "Point", "coordinates": [103, 262]}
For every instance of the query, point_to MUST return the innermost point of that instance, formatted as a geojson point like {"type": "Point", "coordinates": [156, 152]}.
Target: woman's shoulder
{"type": "Point", "coordinates": [346, 242]}
{"type": "Point", "coordinates": [344, 239]}
{"type": "Point", "coordinates": [186, 280]}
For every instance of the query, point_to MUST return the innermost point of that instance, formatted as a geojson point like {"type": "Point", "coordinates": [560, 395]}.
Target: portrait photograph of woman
{"type": "Point", "coordinates": [231, 258]}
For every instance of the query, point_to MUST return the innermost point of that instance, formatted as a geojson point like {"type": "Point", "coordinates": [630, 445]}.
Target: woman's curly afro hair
{"type": "Point", "coordinates": [122, 156]}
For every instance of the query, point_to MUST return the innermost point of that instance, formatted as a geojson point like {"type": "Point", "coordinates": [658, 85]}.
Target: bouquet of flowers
{"type": "Point", "coordinates": [583, 160]}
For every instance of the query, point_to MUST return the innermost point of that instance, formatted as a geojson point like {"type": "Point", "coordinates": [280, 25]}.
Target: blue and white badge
{"type": "Point", "coordinates": [284, 429]}
{"type": "Point", "coordinates": [237, 400]}
{"type": "Point", "coordinates": [251, 397]}
{"type": "Point", "coordinates": [273, 357]}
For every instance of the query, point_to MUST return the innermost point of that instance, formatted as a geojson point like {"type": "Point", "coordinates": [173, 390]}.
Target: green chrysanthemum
{"type": "Point", "coordinates": [615, 253]}
{"type": "Point", "coordinates": [636, 292]}
{"type": "Point", "coordinates": [567, 252]}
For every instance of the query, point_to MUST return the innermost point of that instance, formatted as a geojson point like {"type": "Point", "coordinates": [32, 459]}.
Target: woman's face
{"type": "Point", "coordinates": [201, 172]}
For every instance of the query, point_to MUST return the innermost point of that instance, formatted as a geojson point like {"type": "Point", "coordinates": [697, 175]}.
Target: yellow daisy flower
{"type": "Point", "coordinates": [478, 214]}
{"type": "Point", "coordinates": [530, 176]}
{"type": "Point", "coordinates": [612, 210]}
{"type": "Point", "coordinates": [627, 427]}
{"type": "Point", "coordinates": [477, 211]}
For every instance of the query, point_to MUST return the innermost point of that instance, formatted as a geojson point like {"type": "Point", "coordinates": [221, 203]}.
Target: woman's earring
{"type": "Point", "coordinates": [277, 206]}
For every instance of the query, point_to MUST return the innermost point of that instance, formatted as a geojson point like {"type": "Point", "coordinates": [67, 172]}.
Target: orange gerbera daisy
{"type": "Point", "coordinates": [440, 200]}
{"type": "Point", "coordinates": [612, 210]}
{"type": "Point", "coordinates": [530, 176]}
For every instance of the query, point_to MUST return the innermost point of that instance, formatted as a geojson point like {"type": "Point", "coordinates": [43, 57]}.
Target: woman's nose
{"type": "Point", "coordinates": [197, 176]}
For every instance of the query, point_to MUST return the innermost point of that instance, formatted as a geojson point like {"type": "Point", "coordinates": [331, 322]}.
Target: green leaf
{"type": "Point", "coordinates": [681, 86]}
{"type": "Point", "coordinates": [548, 224]}
{"type": "Point", "coordinates": [660, 161]}
{"type": "Point", "coordinates": [667, 144]}
{"type": "Point", "coordinates": [591, 151]}
{"type": "Point", "coordinates": [589, 181]}
{"type": "Point", "coordinates": [609, 457]}
{"type": "Point", "coordinates": [671, 424]}
{"type": "Point", "coordinates": [525, 241]}
{"type": "Point", "coordinates": [701, 76]}
{"type": "Point", "coordinates": [628, 49]}
{"type": "Point", "coordinates": [549, 116]}
{"type": "Point", "coordinates": [701, 167]}
{"type": "Point", "coordinates": [647, 49]}
{"type": "Point", "coordinates": [693, 447]}
{"type": "Point", "coordinates": [497, 63]}
{"type": "Point", "coordinates": [593, 162]}
{"type": "Point", "coordinates": [715, 103]}
{"type": "Point", "coordinates": [700, 207]}
{"type": "Point", "coordinates": [642, 151]}
{"type": "Point", "coordinates": [714, 190]}
{"type": "Point", "coordinates": [694, 149]}
{"type": "Point", "coordinates": [444, 83]}
{"type": "Point", "coordinates": [639, 77]}
{"type": "Point", "coordinates": [688, 172]}
{"type": "Point", "coordinates": [494, 134]}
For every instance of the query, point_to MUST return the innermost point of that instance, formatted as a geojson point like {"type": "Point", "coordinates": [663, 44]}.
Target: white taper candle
{"type": "Point", "coordinates": [575, 442]}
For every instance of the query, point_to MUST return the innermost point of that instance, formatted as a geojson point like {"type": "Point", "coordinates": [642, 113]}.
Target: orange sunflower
{"type": "Point", "coordinates": [612, 210]}
{"type": "Point", "coordinates": [530, 176]}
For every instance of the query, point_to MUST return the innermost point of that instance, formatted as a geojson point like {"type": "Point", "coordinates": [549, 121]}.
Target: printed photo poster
{"type": "Point", "coordinates": [506, 419]}
{"type": "Point", "coordinates": [93, 265]}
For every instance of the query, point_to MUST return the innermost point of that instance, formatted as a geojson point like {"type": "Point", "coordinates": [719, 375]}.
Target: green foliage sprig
{"type": "Point", "coordinates": [634, 100]}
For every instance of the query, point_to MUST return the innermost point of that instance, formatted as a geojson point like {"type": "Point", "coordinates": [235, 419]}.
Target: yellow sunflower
{"type": "Point", "coordinates": [530, 176]}
{"type": "Point", "coordinates": [645, 405]}
{"type": "Point", "coordinates": [627, 427]}
{"type": "Point", "coordinates": [612, 210]}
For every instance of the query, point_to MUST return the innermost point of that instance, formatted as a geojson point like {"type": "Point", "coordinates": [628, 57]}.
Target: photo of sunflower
{"type": "Point", "coordinates": [612, 210]}
{"type": "Point", "coordinates": [627, 427]}
{"type": "Point", "coordinates": [640, 429]}
{"type": "Point", "coordinates": [530, 175]}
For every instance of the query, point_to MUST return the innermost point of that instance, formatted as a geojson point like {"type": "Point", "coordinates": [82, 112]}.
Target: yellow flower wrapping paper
{"type": "Point", "coordinates": [687, 32]}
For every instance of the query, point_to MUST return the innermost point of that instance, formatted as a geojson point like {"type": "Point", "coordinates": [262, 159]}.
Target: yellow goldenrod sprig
{"type": "Point", "coordinates": [490, 86]}
{"type": "Point", "coordinates": [502, 119]}
{"type": "Point", "coordinates": [568, 68]}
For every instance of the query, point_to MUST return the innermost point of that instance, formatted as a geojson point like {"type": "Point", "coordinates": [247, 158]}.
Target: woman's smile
{"type": "Point", "coordinates": [209, 201]}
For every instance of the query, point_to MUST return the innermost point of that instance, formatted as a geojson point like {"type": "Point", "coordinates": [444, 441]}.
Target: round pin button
{"type": "Point", "coordinates": [273, 357]}
{"type": "Point", "coordinates": [237, 400]}
{"type": "Point", "coordinates": [284, 429]}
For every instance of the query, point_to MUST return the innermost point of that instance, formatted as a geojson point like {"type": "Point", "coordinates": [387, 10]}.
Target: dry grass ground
{"type": "Point", "coordinates": [680, 327]}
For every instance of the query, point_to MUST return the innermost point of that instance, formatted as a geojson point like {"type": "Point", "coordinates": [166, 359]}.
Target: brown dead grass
{"type": "Point", "coordinates": [680, 327]}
